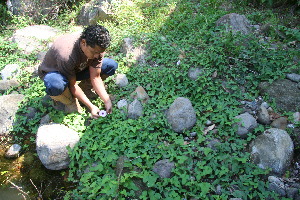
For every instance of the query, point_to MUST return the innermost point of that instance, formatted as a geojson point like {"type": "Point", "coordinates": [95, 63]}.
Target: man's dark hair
{"type": "Point", "coordinates": [96, 35]}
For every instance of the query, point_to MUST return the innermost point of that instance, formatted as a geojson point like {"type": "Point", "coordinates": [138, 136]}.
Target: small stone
{"type": "Point", "coordinates": [293, 77]}
{"type": "Point", "coordinates": [256, 26]}
{"type": "Point", "coordinates": [263, 116]}
{"type": "Point", "coordinates": [8, 84]}
{"type": "Point", "coordinates": [153, 116]}
{"type": "Point", "coordinates": [280, 123]}
{"type": "Point", "coordinates": [213, 144]}
{"type": "Point", "coordinates": [208, 123]}
{"type": "Point", "coordinates": [270, 109]}
{"type": "Point", "coordinates": [276, 185]}
{"type": "Point", "coordinates": [30, 112]}
{"type": "Point", "coordinates": [164, 168]}
{"type": "Point", "coordinates": [140, 94]}
{"type": "Point", "coordinates": [260, 99]}
{"type": "Point", "coordinates": [296, 116]}
{"type": "Point", "coordinates": [45, 120]}
{"type": "Point", "coordinates": [13, 151]}
{"type": "Point", "coordinates": [122, 103]}
{"type": "Point", "coordinates": [186, 139]}
{"type": "Point", "coordinates": [246, 124]}
{"type": "Point", "coordinates": [292, 192]}
{"type": "Point", "coordinates": [265, 104]}
{"type": "Point", "coordinates": [219, 190]}
{"type": "Point", "coordinates": [253, 105]}
{"type": "Point", "coordinates": [135, 109]}
{"type": "Point", "coordinates": [193, 134]}
{"type": "Point", "coordinates": [121, 80]}
{"type": "Point", "coordinates": [194, 149]}
{"type": "Point", "coordinates": [194, 73]}
{"type": "Point", "coordinates": [192, 178]}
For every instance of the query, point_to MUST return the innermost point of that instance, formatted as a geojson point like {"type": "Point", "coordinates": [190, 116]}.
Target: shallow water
{"type": "Point", "coordinates": [10, 194]}
{"type": "Point", "coordinates": [27, 171]}
{"type": "Point", "coordinates": [9, 170]}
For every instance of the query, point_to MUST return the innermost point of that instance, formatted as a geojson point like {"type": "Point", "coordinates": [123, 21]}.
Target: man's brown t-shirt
{"type": "Point", "coordinates": [65, 56]}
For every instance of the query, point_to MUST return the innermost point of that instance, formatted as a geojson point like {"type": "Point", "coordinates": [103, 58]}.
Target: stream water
{"type": "Point", "coordinates": [26, 176]}
{"type": "Point", "coordinates": [10, 194]}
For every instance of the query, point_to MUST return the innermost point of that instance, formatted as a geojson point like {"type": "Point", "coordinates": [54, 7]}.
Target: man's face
{"type": "Point", "coordinates": [91, 52]}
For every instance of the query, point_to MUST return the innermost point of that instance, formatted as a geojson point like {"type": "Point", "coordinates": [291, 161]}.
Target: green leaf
{"type": "Point", "coordinates": [150, 180]}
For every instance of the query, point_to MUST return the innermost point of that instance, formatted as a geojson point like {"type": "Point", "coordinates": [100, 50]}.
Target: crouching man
{"type": "Point", "coordinates": [76, 57]}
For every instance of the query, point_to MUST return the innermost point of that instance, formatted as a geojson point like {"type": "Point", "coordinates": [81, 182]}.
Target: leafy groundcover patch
{"type": "Point", "coordinates": [115, 156]}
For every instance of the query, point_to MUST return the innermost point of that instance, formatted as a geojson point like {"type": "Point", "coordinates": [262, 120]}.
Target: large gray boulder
{"type": "Point", "coordinates": [284, 92]}
{"type": "Point", "coordinates": [8, 110]}
{"type": "Point", "coordinates": [273, 149]}
{"type": "Point", "coordinates": [31, 38]}
{"type": "Point", "coordinates": [235, 23]}
{"type": "Point", "coordinates": [34, 8]}
{"type": "Point", "coordinates": [181, 115]}
{"type": "Point", "coordinates": [94, 11]}
{"type": "Point", "coordinates": [51, 145]}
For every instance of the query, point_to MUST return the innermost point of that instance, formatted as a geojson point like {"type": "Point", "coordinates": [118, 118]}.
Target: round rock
{"type": "Point", "coordinates": [52, 143]}
{"type": "Point", "coordinates": [181, 115]}
{"type": "Point", "coordinates": [164, 168]}
{"type": "Point", "coordinates": [273, 149]}
{"type": "Point", "coordinates": [13, 151]}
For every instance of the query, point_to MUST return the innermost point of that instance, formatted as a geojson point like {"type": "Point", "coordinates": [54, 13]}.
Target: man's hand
{"type": "Point", "coordinates": [95, 112]}
{"type": "Point", "coordinates": [108, 106]}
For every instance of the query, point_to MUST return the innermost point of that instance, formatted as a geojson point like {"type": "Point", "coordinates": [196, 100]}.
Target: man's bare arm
{"type": "Point", "coordinates": [79, 94]}
{"type": "Point", "coordinates": [99, 88]}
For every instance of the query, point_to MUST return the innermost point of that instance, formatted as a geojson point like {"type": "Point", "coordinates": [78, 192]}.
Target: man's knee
{"type": "Point", "coordinates": [109, 66]}
{"type": "Point", "coordinates": [55, 83]}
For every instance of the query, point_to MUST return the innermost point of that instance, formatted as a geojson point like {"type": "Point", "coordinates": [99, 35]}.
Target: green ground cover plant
{"type": "Point", "coordinates": [115, 156]}
{"type": "Point", "coordinates": [190, 29]}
